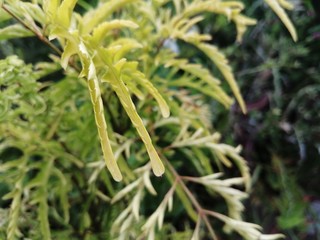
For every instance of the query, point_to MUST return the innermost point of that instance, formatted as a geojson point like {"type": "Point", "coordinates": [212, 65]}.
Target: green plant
{"type": "Point", "coordinates": [50, 167]}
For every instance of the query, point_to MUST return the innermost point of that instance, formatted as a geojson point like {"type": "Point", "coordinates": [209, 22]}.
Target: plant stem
{"type": "Point", "coordinates": [201, 211]}
{"type": "Point", "coordinates": [39, 35]}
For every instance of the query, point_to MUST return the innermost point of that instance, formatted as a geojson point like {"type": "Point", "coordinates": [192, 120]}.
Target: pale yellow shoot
{"type": "Point", "coordinates": [127, 45]}
{"type": "Point", "coordinates": [286, 4]}
{"type": "Point", "coordinates": [133, 73]}
{"type": "Point", "coordinates": [64, 13]}
{"type": "Point", "coordinates": [222, 63]}
{"type": "Point", "coordinates": [276, 6]}
{"type": "Point", "coordinates": [102, 129]}
{"type": "Point", "coordinates": [242, 23]}
{"type": "Point", "coordinates": [100, 31]}
{"type": "Point", "coordinates": [123, 94]}
{"type": "Point", "coordinates": [89, 71]}
{"type": "Point", "coordinates": [50, 8]}
{"type": "Point", "coordinates": [101, 13]}
{"type": "Point", "coordinates": [164, 108]}
{"type": "Point", "coordinates": [69, 50]}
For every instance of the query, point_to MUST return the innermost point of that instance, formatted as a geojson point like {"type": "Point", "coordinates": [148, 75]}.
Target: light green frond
{"type": "Point", "coordinates": [63, 193]}
{"type": "Point", "coordinates": [242, 22]}
{"type": "Point", "coordinates": [70, 49]}
{"type": "Point", "coordinates": [180, 28]}
{"type": "Point", "coordinates": [222, 63]}
{"type": "Point", "coordinates": [140, 78]}
{"type": "Point", "coordinates": [286, 4]}
{"type": "Point", "coordinates": [120, 61]}
{"type": "Point", "coordinates": [195, 69]}
{"type": "Point", "coordinates": [33, 11]}
{"type": "Point", "coordinates": [4, 15]}
{"type": "Point", "coordinates": [184, 24]}
{"type": "Point", "coordinates": [89, 72]}
{"type": "Point", "coordinates": [213, 92]}
{"type": "Point", "coordinates": [50, 8]}
{"type": "Point", "coordinates": [64, 13]}
{"type": "Point", "coordinates": [95, 95]}
{"type": "Point", "coordinates": [112, 77]}
{"type": "Point", "coordinates": [132, 86]}
{"type": "Point", "coordinates": [119, 65]}
{"type": "Point", "coordinates": [101, 30]}
{"type": "Point", "coordinates": [107, 55]}
{"type": "Point", "coordinates": [12, 228]}
{"type": "Point", "coordinates": [43, 212]}
{"type": "Point", "coordinates": [129, 71]}
{"type": "Point", "coordinates": [227, 8]}
{"type": "Point", "coordinates": [127, 45]}
{"type": "Point", "coordinates": [40, 196]}
{"type": "Point", "coordinates": [131, 76]}
{"type": "Point", "coordinates": [276, 6]}
{"type": "Point", "coordinates": [231, 9]}
{"type": "Point", "coordinates": [200, 79]}
{"type": "Point", "coordinates": [94, 17]}
{"type": "Point", "coordinates": [14, 31]}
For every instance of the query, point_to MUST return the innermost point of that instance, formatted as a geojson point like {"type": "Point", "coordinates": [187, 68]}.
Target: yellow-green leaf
{"type": "Point", "coordinates": [89, 71]}
{"type": "Point", "coordinates": [64, 12]}
{"type": "Point", "coordinates": [164, 108]}
{"type": "Point", "coordinates": [14, 31]}
{"type": "Point", "coordinates": [101, 13]}
{"type": "Point", "coordinates": [4, 15]}
{"type": "Point", "coordinates": [112, 77]}
{"type": "Point", "coordinates": [276, 6]}
{"type": "Point", "coordinates": [50, 8]}
{"type": "Point", "coordinates": [69, 50]}
{"type": "Point", "coordinates": [242, 22]}
{"type": "Point", "coordinates": [222, 63]}
{"type": "Point", "coordinates": [102, 128]}
{"type": "Point", "coordinates": [100, 31]}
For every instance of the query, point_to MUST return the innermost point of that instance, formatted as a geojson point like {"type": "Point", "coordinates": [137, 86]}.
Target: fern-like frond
{"type": "Point", "coordinates": [179, 27]}
{"type": "Point", "coordinates": [200, 79]}
{"type": "Point", "coordinates": [101, 30]}
{"type": "Point", "coordinates": [113, 53]}
{"type": "Point", "coordinates": [222, 63]}
{"type": "Point", "coordinates": [15, 207]}
{"type": "Point", "coordinates": [98, 15]}
{"type": "Point", "coordinates": [123, 94]}
{"type": "Point", "coordinates": [145, 83]}
{"type": "Point", "coordinates": [98, 109]}
{"type": "Point", "coordinates": [14, 31]}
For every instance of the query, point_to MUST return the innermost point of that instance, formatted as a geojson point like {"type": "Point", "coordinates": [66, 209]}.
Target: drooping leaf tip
{"type": "Point", "coordinates": [157, 168]}
{"type": "Point", "coordinates": [116, 175]}
{"type": "Point", "coordinates": [165, 112]}
{"type": "Point", "coordinates": [158, 172]}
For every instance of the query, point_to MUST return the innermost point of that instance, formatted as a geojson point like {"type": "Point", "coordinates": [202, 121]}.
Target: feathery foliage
{"type": "Point", "coordinates": [121, 57]}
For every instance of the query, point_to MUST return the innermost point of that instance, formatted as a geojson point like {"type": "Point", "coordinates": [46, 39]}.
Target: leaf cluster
{"type": "Point", "coordinates": [117, 58]}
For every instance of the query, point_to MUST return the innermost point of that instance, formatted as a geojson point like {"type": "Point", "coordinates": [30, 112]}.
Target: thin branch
{"type": "Point", "coordinates": [201, 211]}
{"type": "Point", "coordinates": [39, 35]}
